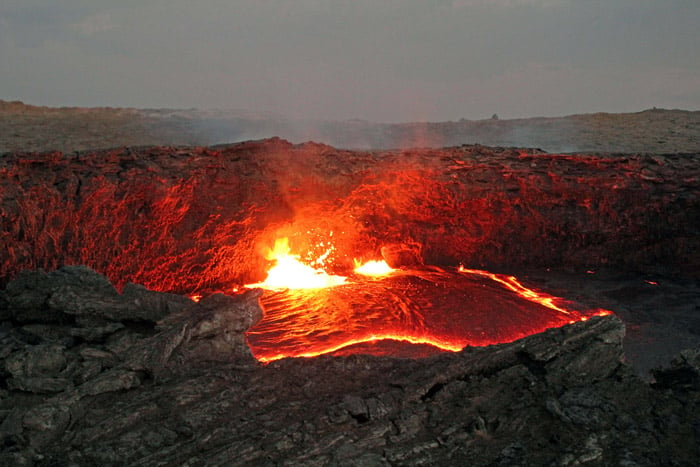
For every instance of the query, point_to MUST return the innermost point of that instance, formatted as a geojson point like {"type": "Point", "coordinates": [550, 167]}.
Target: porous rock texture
{"type": "Point", "coordinates": [147, 378]}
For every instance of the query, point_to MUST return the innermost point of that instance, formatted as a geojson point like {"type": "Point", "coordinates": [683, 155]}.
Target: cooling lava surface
{"type": "Point", "coordinates": [408, 313]}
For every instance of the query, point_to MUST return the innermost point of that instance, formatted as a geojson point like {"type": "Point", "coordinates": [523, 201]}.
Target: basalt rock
{"type": "Point", "coordinates": [203, 333]}
{"type": "Point", "coordinates": [108, 349]}
{"type": "Point", "coordinates": [402, 255]}
{"type": "Point", "coordinates": [187, 391]}
{"type": "Point", "coordinates": [101, 329]}
{"type": "Point", "coordinates": [682, 374]}
{"type": "Point", "coordinates": [72, 293]}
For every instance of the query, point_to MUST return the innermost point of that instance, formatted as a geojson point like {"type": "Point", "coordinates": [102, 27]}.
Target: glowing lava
{"type": "Point", "coordinates": [290, 273]}
{"type": "Point", "coordinates": [511, 283]}
{"type": "Point", "coordinates": [373, 268]}
{"type": "Point", "coordinates": [398, 312]}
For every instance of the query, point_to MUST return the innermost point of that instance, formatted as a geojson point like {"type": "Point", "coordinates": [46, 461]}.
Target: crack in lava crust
{"type": "Point", "coordinates": [408, 313]}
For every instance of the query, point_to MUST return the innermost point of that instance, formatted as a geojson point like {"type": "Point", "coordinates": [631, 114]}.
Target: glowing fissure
{"type": "Point", "coordinates": [512, 283]}
{"type": "Point", "coordinates": [444, 346]}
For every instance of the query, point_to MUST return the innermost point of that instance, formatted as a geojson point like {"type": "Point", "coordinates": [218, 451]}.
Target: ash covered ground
{"type": "Point", "coordinates": [96, 376]}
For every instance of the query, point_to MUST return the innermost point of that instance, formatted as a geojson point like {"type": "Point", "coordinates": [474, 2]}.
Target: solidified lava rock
{"type": "Point", "coordinates": [183, 390]}
{"type": "Point", "coordinates": [195, 219]}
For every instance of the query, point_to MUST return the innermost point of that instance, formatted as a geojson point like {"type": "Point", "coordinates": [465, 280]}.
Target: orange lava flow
{"type": "Point", "coordinates": [512, 283]}
{"type": "Point", "coordinates": [397, 312]}
{"type": "Point", "coordinates": [444, 346]}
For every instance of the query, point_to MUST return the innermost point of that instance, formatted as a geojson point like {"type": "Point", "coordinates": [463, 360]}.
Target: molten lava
{"type": "Point", "coordinates": [398, 312]}
{"type": "Point", "coordinates": [375, 268]}
{"type": "Point", "coordinates": [511, 283]}
{"type": "Point", "coordinates": [289, 272]}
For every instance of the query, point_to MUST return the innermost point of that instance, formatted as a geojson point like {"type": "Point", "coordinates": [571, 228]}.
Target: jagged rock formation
{"type": "Point", "coordinates": [94, 377]}
{"type": "Point", "coordinates": [192, 219]}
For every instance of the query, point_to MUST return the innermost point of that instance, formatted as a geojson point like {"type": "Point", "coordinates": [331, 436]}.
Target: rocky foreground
{"type": "Point", "coordinates": [95, 377]}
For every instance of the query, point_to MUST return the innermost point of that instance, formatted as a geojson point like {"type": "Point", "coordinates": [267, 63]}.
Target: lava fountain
{"type": "Point", "coordinates": [289, 272]}
{"type": "Point", "coordinates": [407, 312]}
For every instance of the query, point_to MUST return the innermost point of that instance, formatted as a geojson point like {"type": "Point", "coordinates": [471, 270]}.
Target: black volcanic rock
{"type": "Point", "coordinates": [187, 391]}
{"type": "Point", "coordinates": [203, 333]}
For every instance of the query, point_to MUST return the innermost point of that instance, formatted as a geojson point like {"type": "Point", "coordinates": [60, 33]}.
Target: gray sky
{"type": "Point", "coordinates": [380, 60]}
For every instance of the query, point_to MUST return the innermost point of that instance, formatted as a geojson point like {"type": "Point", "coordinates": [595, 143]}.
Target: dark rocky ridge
{"type": "Point", "coordinates": [161, 380]}
{"type": "Point", "coordinates": [30, 128]}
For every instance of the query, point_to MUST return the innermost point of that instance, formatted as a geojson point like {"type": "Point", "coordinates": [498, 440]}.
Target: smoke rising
{"type": "Point", "coordinates": [654, 130]}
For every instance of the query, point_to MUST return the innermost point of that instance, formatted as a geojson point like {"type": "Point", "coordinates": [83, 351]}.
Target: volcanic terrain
{"type": "Point", "coordinates": [134, 329]}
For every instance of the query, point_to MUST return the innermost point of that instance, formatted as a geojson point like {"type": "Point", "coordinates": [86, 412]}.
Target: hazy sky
{"type": "Point", "coordinates": [381, 60]}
